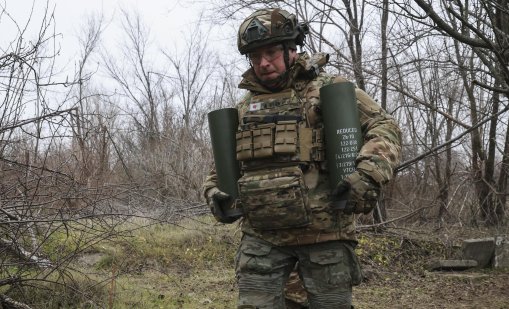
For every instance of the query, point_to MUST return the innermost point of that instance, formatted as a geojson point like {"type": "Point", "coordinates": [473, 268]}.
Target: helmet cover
{"type": "Point", "coordinates": [270, 26]}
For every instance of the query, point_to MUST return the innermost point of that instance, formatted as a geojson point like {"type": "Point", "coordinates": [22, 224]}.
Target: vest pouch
{"type": "Point", "coordinates": [275, 199]}
{"type": "Point", "coordinates": [244, 145]}
{"type": "Point", "coordinates": [263, 141]}
{"type": "Point", "coordinates": [285, 141]}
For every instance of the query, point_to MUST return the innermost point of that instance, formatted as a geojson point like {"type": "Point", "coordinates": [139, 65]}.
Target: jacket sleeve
{"type": "Point", "coordinates": [381, 151]}
{"type": "Point", "coordinates": [210, 182]}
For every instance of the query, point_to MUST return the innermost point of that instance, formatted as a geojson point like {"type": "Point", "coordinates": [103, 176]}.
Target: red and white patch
{"type": "Point", "coordinates": [255, 106]}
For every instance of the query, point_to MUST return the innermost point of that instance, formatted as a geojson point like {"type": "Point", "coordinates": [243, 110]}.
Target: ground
{"type": "Point", "coordinates": [396, 270]}
{"type": "Point", "coordinates": [435, 290]}
{"type": "Point", "coordinates": [397, 273]}
{"type": "Point", "coordinates": [191, 265]}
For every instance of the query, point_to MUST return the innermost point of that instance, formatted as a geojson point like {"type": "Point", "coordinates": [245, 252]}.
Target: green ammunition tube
{"type": "Point", "coordinates": [343, 136]}
{"type": "Point", "coordinates": [223, 125]}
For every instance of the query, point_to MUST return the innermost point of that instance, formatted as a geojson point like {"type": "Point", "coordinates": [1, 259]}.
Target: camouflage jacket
{"type": "Point", "coordinates": [378, 156]}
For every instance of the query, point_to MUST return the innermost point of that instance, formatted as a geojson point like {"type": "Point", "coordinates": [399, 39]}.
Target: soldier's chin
{"type": "Point", "coordinates": [273, 82]}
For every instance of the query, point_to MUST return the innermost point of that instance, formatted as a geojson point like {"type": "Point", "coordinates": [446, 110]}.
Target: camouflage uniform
{"type": "Point", "coordinates": [377, 158]}
{"type": "Point", "coordinates": [323, 246]}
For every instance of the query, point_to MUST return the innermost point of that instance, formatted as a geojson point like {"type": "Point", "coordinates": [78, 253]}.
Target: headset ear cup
{"type": "Point", "coordinates": [302, 29]}
{"type": "Point", "coordinates": [300, 39]}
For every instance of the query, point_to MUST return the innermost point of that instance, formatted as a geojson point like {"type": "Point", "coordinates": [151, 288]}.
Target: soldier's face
{"type": "Point", "coordinates": [268, 62]}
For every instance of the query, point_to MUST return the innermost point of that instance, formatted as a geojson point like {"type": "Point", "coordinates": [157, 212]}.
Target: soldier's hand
{"type": "Point", "coordinates": [219, 202]}
{"type": "Point", "coordinates": [215, 199]}
{"type": "Point", "coordinates": [214, 194]}
{"type": "Point", "coordinates": [361, 193]}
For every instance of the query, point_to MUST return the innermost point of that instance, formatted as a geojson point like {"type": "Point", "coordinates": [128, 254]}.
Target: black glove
{"type": "Point", "coordinates": [222, 206]}
{"type": "Point", "coordinates": [357, 193]}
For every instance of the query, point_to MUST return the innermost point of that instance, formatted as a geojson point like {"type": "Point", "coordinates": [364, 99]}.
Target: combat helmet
{"type": "Point", "coordinates": [268, 26]}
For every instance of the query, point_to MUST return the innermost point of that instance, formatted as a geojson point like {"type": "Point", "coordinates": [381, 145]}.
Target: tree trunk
{"type": "Point", "coordinates": [380, 213]}
{"type": "Point", "coordinates": [384, 73]}
{"type": "Point", "coordinates": [502, 23]}
{"type": "Point", "coordinates": [443, 195]}
{"type": "Point", "coordinates": [502, 179]}
{"type": "Point", "coordinates": [354, 39]}
{"type": "Point", "coordinates": [489, 204]}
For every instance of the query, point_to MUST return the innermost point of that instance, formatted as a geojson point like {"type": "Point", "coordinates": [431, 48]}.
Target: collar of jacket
{"type": "Point", "coordinates": [306, 67]}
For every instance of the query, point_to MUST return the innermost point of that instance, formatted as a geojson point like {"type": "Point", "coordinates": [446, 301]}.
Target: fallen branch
{"type": "Point", "coordinates": [8, 302]}
{"type": "Point", "coordinates": [366, 227]}
{"type": "Point", "coordinates": [25, 254]}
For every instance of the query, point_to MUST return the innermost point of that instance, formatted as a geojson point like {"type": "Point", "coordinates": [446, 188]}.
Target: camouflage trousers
{"type": "Point", "coordinates": [328, 270]}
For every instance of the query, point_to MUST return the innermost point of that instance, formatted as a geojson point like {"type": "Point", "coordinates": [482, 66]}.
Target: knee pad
{"type": "Point", "coordinates": [333, 300]}
{"type": "Point", "coordinates": [260, 292]}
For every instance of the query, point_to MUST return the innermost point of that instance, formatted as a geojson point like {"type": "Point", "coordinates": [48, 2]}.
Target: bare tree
{"type": "Point", "coordinates": [167, 107]}
{"type": "Point", "coordinates": [30, 188]}
{"type": "Point", "coordinates": [89, 135]}
{"type": "Point", "coordinates": [481, 28]}
{"type": "Point", "coordinates": [43, 200]}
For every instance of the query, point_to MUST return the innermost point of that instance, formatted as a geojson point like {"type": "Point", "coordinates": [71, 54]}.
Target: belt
{"type": "Point", "coordinates": [317, 238]}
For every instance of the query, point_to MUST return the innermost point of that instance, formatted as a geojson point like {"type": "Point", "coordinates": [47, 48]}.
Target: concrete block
{"type": "Point", "coordinates": [453, 264]}
{"type": "Point", "coordinates": [501, 259]}
{"type": "Point", "coordinates": [482, 250]}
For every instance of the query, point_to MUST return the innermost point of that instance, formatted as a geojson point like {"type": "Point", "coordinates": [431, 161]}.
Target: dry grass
{"type": "Point", "coordinates": [190, 265]}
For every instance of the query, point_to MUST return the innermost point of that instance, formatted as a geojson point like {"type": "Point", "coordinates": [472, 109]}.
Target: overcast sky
{"type": "Point", "coordinates": [168, 20]}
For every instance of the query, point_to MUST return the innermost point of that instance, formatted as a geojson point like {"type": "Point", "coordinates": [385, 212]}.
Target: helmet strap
{"type": "Point", "coordinates": [286, 55]}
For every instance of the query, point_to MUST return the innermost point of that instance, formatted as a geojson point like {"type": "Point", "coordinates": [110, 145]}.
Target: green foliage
{"type": "Point", "coordinates": [394, 252]}
{"type": "Point", "coordinates": [189, 245]}
{"type": "Point", "coordinates": [378, 250]}
{"type": "Point", "coordinates": [72, 238]}
{"type": "Point", "coordinates": [59, 243]}
{"type": "Point", "coordinates": [173, 266]}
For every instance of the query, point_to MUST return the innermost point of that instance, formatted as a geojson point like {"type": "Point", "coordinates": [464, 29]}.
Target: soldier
{"type": "Point", "coordinates": [284, 192]}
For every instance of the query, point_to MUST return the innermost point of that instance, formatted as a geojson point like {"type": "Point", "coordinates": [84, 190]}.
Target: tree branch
{"type": "Point", "coordinates": [433, 150]}
{"type": "Point", "coordinates": [30, 120]}
{"type": "Point", "coordinates": [428, 9]}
